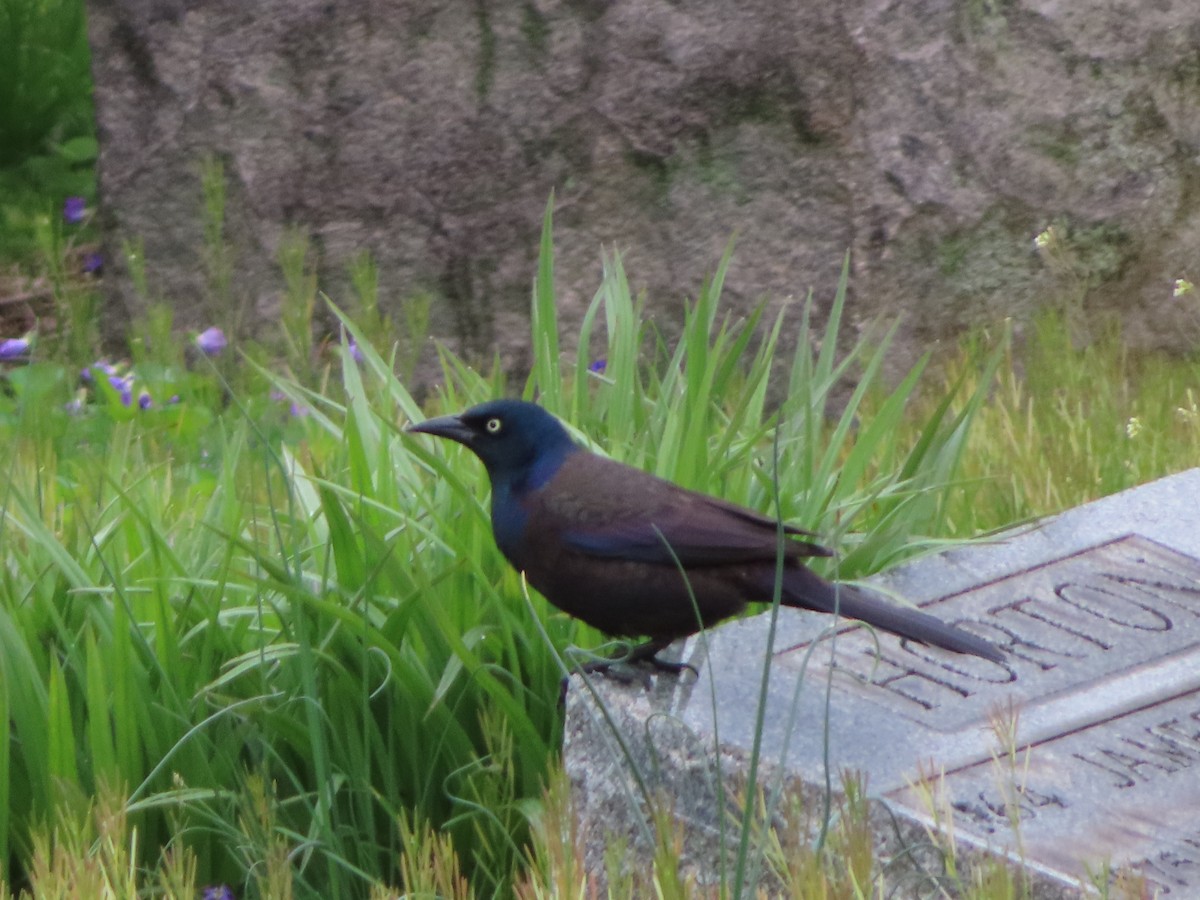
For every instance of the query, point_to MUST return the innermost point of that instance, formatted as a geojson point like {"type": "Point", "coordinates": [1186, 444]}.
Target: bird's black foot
{"type": "Point", "coordinates": [625, 668]}
{"type": "Point", "coordinates": [618, 670]}
{"type": "Point", "coordinates": [672, 668]}
{"type": "Point", "coordinates": [630, 668]}
{"type": "Point", "coordinates": [648, 653]}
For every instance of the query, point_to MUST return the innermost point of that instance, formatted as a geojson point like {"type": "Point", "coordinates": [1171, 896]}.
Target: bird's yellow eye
{"type": "Point", "coordinates": [493, 426]}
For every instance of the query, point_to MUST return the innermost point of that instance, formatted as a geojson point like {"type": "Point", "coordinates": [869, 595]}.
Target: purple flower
{"type": "Point", "coordinates": [12, 348]}
{"type": "Point", "coordinates": [74, 209]}
{"type": "Point", "coordinates": [144, 400]}
{"type": "Point", "coordinates": [211, 341]}
{"type": "Point", "coordinates": [217, 892]}
{"type": "Point", "coordinates": [93, 263]}
{"type": "Point", "coordinates": [74, 406]}
{"type": "Point", "coordinates": [86, 375]}
{"type": "Point", "coordinates": [598, 366]}
{"type": "Point", "coordinates": [295, 408]}
{"type": "Point", "coordinates": [174, 399]}
{"type": "Point", "coordinates": [355, 353]}
{"type": "Point", "coordinates": [124, 387]}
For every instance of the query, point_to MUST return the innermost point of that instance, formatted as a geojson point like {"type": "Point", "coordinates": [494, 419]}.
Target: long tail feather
{"type": "Point", "coordinates": [807, 590]}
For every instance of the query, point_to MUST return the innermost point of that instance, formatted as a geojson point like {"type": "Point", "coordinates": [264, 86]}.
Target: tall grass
{"type": "Point", "coordinates": [286, 642]}
{"type": "Point", "coordinates": [1068, 422]}
{"type": "Point", "coordinates": [47, 134]}
{"type": "Point", "coordinates": [45, 77]}
{"type": "Point", "coordinates": [276, 638]}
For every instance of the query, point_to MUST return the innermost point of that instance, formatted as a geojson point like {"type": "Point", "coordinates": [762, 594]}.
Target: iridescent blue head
{"type": "Point", "coordinates": [520, 443]}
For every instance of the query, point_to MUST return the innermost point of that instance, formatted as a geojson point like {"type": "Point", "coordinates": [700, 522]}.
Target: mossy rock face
{"type": "Point", "coordinates": [933, 141]}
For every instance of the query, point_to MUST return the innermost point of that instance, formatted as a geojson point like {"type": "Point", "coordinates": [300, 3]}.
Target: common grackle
{"type": "Point", "coordinates": [606, 542]}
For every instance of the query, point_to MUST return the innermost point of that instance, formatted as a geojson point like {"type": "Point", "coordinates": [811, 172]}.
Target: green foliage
{"type": "Point", "coordinates": [218, 254]}
{"type": "Point", "coordinates": [316, 605]}
{"type": "Point", "coordinates": [47, 145]}
{"type": "Point", "coordinates": [283, 628]}
{"type": "Point", "coordinates": [1067, 424]}
{"type": "Point", "coordinates": [31, 197]}
{"type": "Point", "coordinates": [45, 81]}
{"type": "Point", "coordinates": [298, 301]}
{"type": "Point", "coordinates": [408, 337]}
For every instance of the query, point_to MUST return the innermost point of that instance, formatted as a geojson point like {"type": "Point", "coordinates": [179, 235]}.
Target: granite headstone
{"type": "Point", "coordinates": [1081, 751]}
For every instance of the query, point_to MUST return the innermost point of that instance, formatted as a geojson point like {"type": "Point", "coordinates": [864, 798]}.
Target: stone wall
{"type": "Point", "coordinates": [932, 138]}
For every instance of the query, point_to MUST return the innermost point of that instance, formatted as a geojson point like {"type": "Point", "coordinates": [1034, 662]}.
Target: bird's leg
{"type": "Point", "coordinates": [648, 652]}
{"type": "Point", "coordinates": [642, 653]}
{"type": "Point", "coordinates": [625, 669]}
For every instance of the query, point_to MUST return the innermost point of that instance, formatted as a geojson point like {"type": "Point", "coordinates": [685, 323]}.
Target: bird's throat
{"type": "Point", "coordinates": [509, 518]}
{"type": "Point", "coordinates": [511, 493]}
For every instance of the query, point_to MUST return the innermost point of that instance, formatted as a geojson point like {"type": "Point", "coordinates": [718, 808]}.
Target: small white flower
{"type": "Point", "coordinates": [1044, 240]}
{"type": "Point", "coordinates": [1133, 427]}
{"type": "Point", "coordinates": [1191, 411]}
{"type": "Point", "coordinates": [1182, 286]}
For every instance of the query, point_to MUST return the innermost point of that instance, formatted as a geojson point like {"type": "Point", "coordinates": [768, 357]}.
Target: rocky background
{"type": "Point", "coordinates": [934, 139]}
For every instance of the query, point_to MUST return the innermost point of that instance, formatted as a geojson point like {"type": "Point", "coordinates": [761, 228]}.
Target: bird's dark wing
{"type": "Point", "coordinates": [604, 508]}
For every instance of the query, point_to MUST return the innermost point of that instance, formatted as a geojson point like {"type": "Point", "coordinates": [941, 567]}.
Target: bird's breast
{"type": "Point", "coordinates": [510, 517]}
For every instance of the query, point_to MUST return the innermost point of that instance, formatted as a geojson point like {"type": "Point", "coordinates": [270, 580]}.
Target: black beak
{"type": "Point", "coordinates": [451, 427]}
